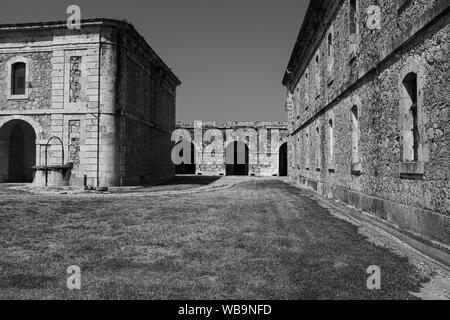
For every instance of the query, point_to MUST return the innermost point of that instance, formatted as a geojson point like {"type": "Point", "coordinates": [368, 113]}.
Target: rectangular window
{"type": "Point", "coordinates": [317, 75]}
{"type": "Point", "coordinates": [355, 135]}
{"type": "Point", "coordinates": [411, 134]}
{"type": "Point", "coordinates": [330, 59]}
{"type": "Point", "coordinates": [331, 141]}
{"type": "Point", "coordinates": [353, 17]}
{"type": "Point", "coordinates": [318, 150]}
{"type": "Point", "coordinates": [307, 156]}
{"type": "Point", "coordinates": [18, 79]}
{"type": "Point", "coordinates": [306, 90]}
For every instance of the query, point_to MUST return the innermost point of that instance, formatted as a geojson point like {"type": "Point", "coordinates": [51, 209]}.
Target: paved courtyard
{"type": "Point", "coordinates": [256, 239]}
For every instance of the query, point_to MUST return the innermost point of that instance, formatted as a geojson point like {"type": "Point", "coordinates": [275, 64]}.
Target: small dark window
{"type": "Point", "coordinates": [18, 79]}
{"type": "Point", "coordinates": [330, 44]}
{"type": "Point", "coordinates": [353, 7]}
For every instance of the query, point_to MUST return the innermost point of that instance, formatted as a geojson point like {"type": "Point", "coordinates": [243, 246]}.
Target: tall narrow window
{"type": "Point", "coordinates": [18, 78]}
{"type": "Point", "coordinates": [355, 135]}
{"type": "Point", "coordinates": [317, 75]}
{"type": "Point", "coordinates": [306, 89]}
{"type": "Point", "coordinates": [353, 17]}
{"type": "Point", "coordinates": [330, 61]}
{"type": "Point", "coordinates": [331, 141]}
{"type": "Point", "coordinates": [318, 150]}
{"type": "Point", "coordinates": [411, 135]}
{"type": "Point", "coordinates": [307, 151]}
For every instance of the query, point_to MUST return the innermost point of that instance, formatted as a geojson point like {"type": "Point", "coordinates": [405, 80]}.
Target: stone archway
{"type": "Point", "coordinates": [283, 160]}
{"type": "Point", "coordinates": [17, 151]}
{"type": "Point", "coordinates": [237, 159]}
{"type": "Point", "coordinates": [187, 168]}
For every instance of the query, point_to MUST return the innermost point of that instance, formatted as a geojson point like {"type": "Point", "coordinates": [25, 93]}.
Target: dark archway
{"type": "Point", "coordinates": [237, 159]}
{"type": "Point", "coordinates": [17, 152]}
{"type": "Point", "coordinates": [187, 168]}
{"type": "Point", "coordinates": [283, 160]}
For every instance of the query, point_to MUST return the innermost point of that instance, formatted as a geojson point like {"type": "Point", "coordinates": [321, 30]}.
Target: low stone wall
{"type": "Point", "coordinates": [423, 223]}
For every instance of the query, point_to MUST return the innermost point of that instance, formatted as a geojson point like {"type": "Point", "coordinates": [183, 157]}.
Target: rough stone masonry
{"type": "Point", "coordinates": [102, 91]}
{"type": "Point", "coordinates": [368, 109]}
{"type": "Point", "coordinates": [233, 148]}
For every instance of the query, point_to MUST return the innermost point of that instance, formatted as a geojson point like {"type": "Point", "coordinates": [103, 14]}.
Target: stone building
{"type": "Point", "coordinates": [368, 106]}
{"type": "Point", "coordinates": [233, 148]}
{"type": "Point", "coordinates": [101, 91]}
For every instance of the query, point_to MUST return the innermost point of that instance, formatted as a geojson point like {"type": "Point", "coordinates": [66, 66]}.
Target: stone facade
{"type": "Point", "coordinates": [101, 90]}
{"type": "Point", "coordinates": [368, 107]}
{"type": "Point", "coordinates": [213, 147]}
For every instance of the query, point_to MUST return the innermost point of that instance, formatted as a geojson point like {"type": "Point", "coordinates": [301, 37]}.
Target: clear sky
{"type": "Point", "coordinates": [230, 55]}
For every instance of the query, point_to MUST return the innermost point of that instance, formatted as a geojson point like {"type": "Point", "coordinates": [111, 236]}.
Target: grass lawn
{"type": "Point", "coordinates": [260, 240]}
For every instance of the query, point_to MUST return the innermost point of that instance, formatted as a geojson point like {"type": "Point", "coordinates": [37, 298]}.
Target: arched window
{"type": "Point", "coordinates": [18, 76]}
{"type": "Point", "coordinates": [412, 121]}
{"type": "Point", "coordinates": [411, 136]}
{"type": "Point", "coordinates": [355, 135]}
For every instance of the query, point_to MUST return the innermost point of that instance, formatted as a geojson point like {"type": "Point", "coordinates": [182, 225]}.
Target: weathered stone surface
{"type": "Point", "coordinates": [102, 90]}
{"type": "Point", "coordinates": [415, 39]}
{"type": "Point", "coordinates": [263, 139]}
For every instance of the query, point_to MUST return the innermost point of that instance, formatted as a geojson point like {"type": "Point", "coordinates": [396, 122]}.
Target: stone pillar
{"type": "Point", "coordinates": [109, 169]}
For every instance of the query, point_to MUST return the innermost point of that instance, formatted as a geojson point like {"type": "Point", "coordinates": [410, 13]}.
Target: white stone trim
{"type": "Point", "coordinates": [28, 78]}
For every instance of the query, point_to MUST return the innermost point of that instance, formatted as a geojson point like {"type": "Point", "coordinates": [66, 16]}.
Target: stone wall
{"type": "Point", "coordinates": [89, 88]}
{"type": "Point", "coordinates": [146, 104]}
{"type": "Point", "coordinates": [212, 140]}
{"type": "Point", "coordinates": [368, 160]}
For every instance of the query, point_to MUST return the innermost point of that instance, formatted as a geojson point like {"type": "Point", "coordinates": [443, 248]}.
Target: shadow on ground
{"type": "Point", "coordinates": [190, 180]}
{"type": "Point", "coordinates": [178, 183]}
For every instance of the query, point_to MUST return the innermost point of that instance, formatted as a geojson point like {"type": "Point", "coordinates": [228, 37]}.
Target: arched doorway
{"type": "Point", "coordinates": [283, 163]}
{"type": "Point", "coordinates": [17, 152]}
{"type": "Point", "coordinates": [237, 159]}
{"type": "Point", "coordinates": [187, 168]}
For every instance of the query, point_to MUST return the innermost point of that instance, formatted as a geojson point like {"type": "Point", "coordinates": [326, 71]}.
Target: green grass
{"type": "Point", "coordinates": [260, 240]}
